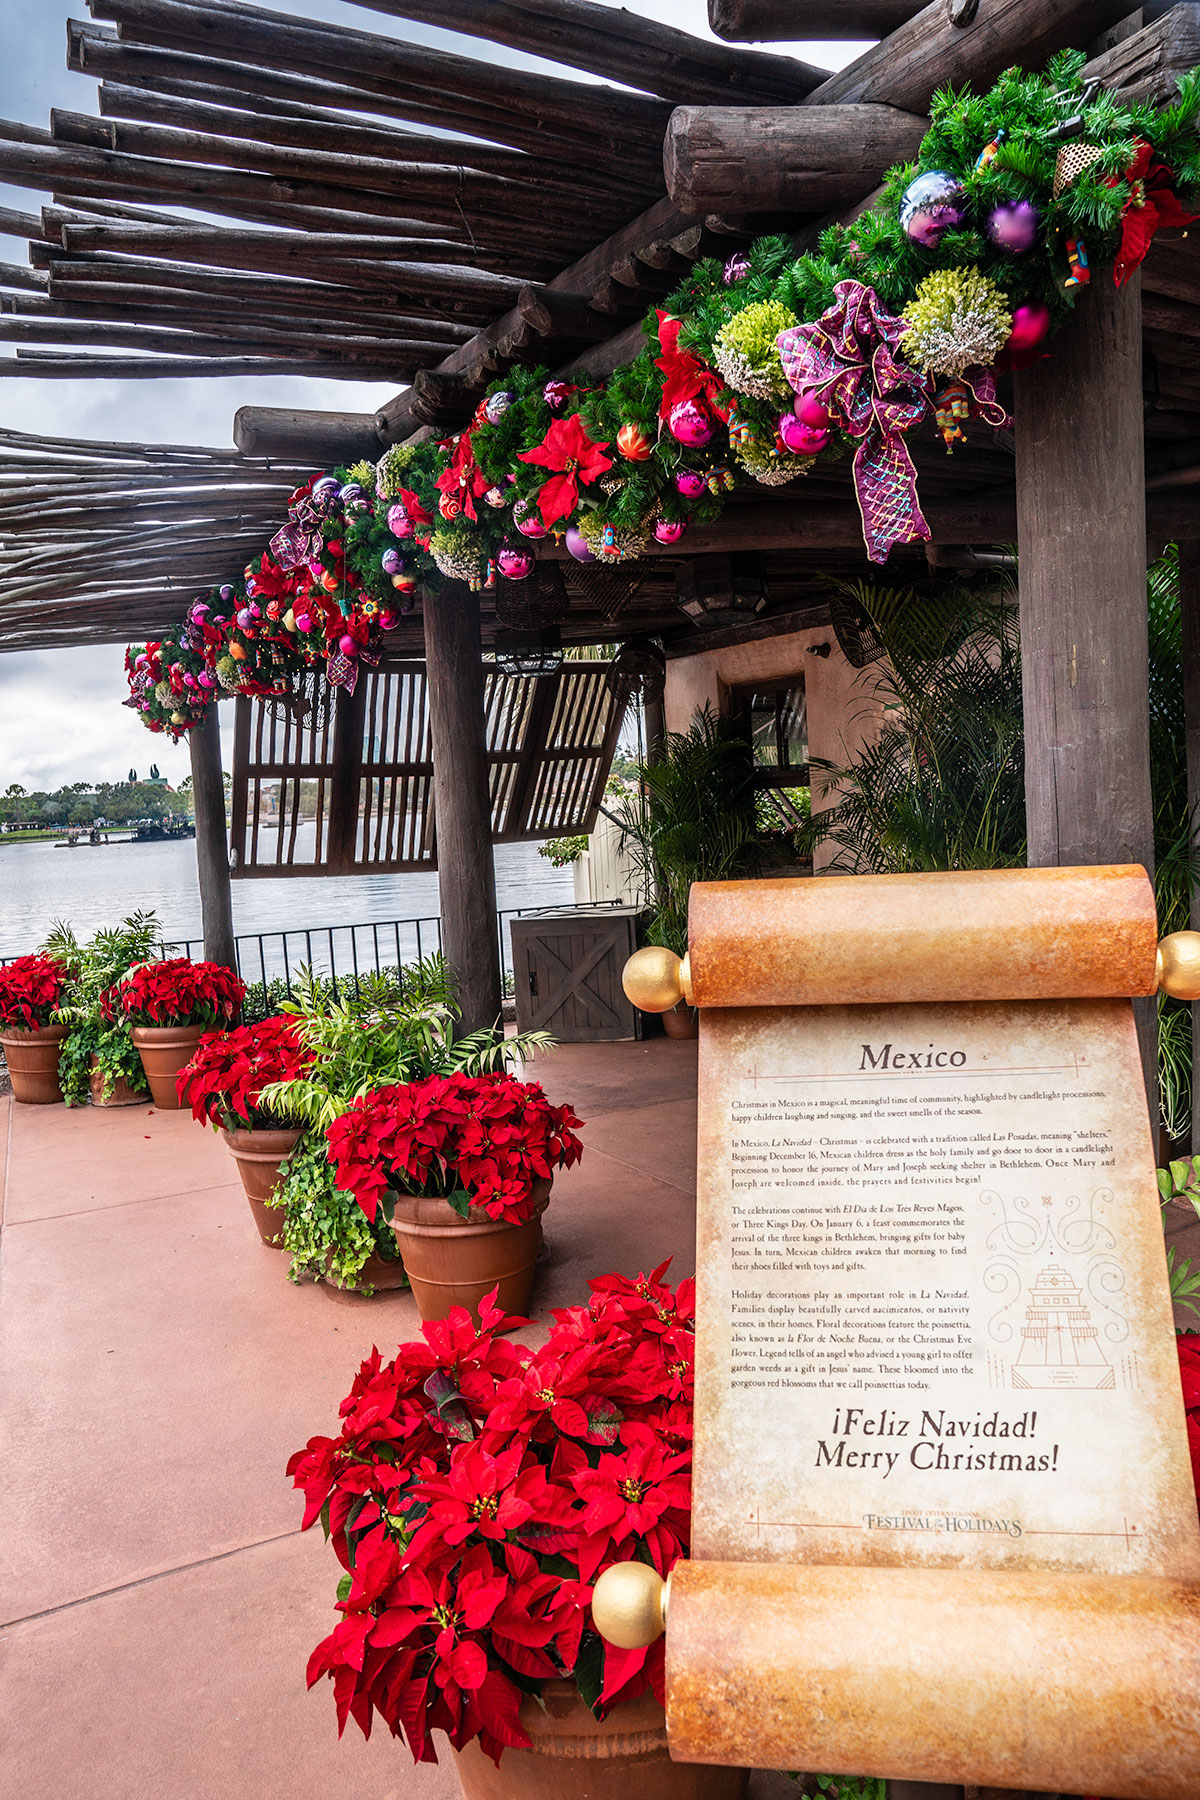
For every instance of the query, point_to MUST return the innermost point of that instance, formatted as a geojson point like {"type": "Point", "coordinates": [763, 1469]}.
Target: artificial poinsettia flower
{"type": "Point", "coordinates": [1152, 204]}
{"type": "Point", "coordinates": [685, 377]}
{"type": "Point", "coordinates": [463, 476]}
{"type": "Point", "coordinates": [569, 451]}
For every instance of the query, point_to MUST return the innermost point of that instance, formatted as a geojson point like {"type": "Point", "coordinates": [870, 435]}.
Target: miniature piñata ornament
{"type": "Point", "coordinates": [1077, 263]}
{"type": "Point", "coordinates": [850, 356]}
{"type": "Point", "coordinates": [1070, 164]}
{"type": "Point", "coordinates": [952, 409]}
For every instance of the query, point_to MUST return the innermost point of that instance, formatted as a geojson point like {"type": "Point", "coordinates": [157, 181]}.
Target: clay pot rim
{"type": "Point", "coordinates": [154, 1035]}
{"type": "Point", "coordinates": [16, 1034]}
{"type": "Point", "coordinates": [477, 1223]}
{"type": "Point", "coordinates": [246, 1139]}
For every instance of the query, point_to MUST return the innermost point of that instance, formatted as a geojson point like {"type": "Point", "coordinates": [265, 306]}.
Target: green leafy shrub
{"type": "Point", "coordinates": [95, 967]}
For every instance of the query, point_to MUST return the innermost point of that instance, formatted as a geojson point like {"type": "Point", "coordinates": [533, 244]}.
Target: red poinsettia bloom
{"type": "Point", "coordinates": [463, 476]}
{"type": "Point", "coordinates": [632, 1492]}
{"type": "Point", "coordinates": [1189, 1368]}
{"type": "Point", "coordinates": [30, 989]}
{"type": "Point", "coordinates": [685, 377]}
{"type": "Point", "coordinates": [1152, 205]}
{"type": "Point", "coordinates": [179, 991]}
{"type": "Point", "coordinates": [229, 1070]}
{"type": "Point", "coordinates": [567, 449]}
{"type": "Point", "coordinates": [482, 1495]}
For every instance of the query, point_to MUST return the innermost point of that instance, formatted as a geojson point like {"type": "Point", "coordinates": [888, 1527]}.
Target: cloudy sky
{"type": "Point", "coordinates": [60, 713]}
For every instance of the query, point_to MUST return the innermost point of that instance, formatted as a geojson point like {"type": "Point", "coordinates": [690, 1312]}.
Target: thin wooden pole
{"type": "Point", "coordinates": [1081, 522]}
{"type": "Point", "coordinates": [466, 872]}
{"type": "Point", "coordinates": [212, 854]}
{"type": "Point", "coordinates": [1189, 618]}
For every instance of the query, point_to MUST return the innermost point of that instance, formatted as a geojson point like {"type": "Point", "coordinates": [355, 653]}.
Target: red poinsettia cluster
{"type": "Point", "coordinates": [229, 1070]}
{"type": "Point", "coordinates": [30, 989]}
{"type": "Point", "coordinates": [479, 1140]}
{"type": "Point", "coordinates": [476, 1491]}
{"type": "Point", "coordinates": [1189, 1368]}
{"type": "Point", "coordinates": [179, 991]}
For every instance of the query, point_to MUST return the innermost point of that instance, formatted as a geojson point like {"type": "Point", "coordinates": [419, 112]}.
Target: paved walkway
{"type": "Point", "coordinates": [157, 1599]}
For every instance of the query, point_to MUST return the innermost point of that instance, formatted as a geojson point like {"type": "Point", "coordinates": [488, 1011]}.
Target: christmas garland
{"type": "Point", "coordinates": [757, 371]}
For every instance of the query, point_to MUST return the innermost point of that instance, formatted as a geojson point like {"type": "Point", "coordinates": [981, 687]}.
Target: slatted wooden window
{"type": "Point", "coordinates": [353, 793]}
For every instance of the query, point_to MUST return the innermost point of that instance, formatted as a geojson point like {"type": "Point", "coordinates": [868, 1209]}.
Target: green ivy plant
{"type": "Point", "coordinates": [326, 1231]}
{"type": "Point", "coordinates": [843, 1787]}
{"type": "Point", "coordinates": [562, 851]}
{"type": "Point", "coordinates": [1179, 1185]}
{"type": "Point", "coordinates": [95, 966]}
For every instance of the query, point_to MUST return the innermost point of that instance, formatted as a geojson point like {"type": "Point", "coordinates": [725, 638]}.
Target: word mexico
{"type": "Point", "coordinates": [885, 1057]}
{"type": "Point", "coordinates": [926, 1449]}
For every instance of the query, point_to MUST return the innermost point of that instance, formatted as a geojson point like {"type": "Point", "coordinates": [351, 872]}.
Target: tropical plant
{"type": "Point", "coordinates": [941, 784]}
{"type": "Point", "coordinates": [478, 1141]}
{"type": "Point", "coordinates": [95, 1028]}
{"type": "Point", "coordinates": [691, 818]}
{"type": "Point", "coordinates": [474, 1492]}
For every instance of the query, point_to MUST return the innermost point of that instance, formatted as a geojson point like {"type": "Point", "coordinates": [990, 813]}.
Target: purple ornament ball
{"type": "Point", "coordinates": [352, 491]}
{"type": "Point", "coordinates": [227, 593]}
{"type": "Point", "coordinates": [496, 405]}
{"type": "Point", "coordinates": [556, 394]}
{"type": "Point", "coordinates": [578, 547]}
{"type": "Point", "coordinates": [931, 205]}
{"type": "Point", "coordinates": [1013, 226]}
{"type": "Point", "coordinates": [398, 521]}
{"type": "Point", "coordinates": [515, 564]}
{"type": "Point", "coordinates": [690, 423]}
{"type": "Point", "coordinates": [690, 483]}
{"type": "Point", "coordinates": [324, 493]}
{"type": "Point", "coordinates": [245, 618]}
{"type": "Point", "coordinates": [391, 562]}
{"type": "Point", "coordinates": [669, 531]}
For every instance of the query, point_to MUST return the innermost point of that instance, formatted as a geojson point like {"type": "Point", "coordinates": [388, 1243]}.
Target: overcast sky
{"type": "Point", "coordinates": [60, 713]}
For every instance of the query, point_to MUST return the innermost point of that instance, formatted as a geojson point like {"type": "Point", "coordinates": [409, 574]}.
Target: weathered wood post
{"type": "Point", "coordinates": [212, 851]}
{"type": "Point", "coordinates": [466, 872]}
{"type": "Point", "coordinates": [1189, 619]}
{"type": "Point", "coordinates": [1081, 521]}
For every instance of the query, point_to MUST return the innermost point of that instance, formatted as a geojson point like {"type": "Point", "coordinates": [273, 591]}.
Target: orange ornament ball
{"type": "Point", "coordinates": [330, 582]}
{"type": "Point", "coordinates": [237, 651]}
{"type": "Point", "coordinates": [633, 443]}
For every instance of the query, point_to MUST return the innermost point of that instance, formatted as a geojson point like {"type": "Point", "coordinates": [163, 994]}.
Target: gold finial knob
{"type": "Point", "coordinates": [1178, 965]}
{"type": "Point", "coordinates": [656, 979]}
{"type": "Point", "coordinates": [629, 1605]}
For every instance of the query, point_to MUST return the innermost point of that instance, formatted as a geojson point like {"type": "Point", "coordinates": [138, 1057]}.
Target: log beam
{"type": "Point", "coordinates": [463, 809]}
{"type": "Point", "coordinates": [212, 849]}
{"type": "Point", "coordinates": [1189, 619]}
{"type": "Point", "coordinates": [799, 159]}
{"type": "Point", "coordinates": [1081, 527]}
{"type": "Point", "coordinates": [318, 437]}
{"type": "Point", "coordinates": [781, 21]}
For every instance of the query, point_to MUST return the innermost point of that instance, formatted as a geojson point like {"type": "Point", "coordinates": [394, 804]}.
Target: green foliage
{"type": "Point", "coordinates": [843, 1787]}
{"type": "Point", "coordinates": [1179, 1185]}
{"type": "Point", "coordinates": [389, 1032]}
{"type": "Point", "coordinates": [326, 1231]}
{"type": "Point", "coordinates": [691, 820]}
{"type": "Point", "coordinates": [1185, 1283]}
{"type": "Point", "coordinates": [942, 784]}
{"type": "Point", "coordinates": [562, 851]}
{"type": "Point", "coordinates": [95, 967]}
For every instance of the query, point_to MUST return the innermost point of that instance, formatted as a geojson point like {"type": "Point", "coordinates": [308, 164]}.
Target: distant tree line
{"type": "Point", "coordinates": [83, 803]}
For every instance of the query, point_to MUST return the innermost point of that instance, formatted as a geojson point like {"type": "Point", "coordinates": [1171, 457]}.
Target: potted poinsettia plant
{"type": "Point", "coordinates": [223, 1085]}
{"type": "Point", "coordinates": [475, 1491]}
{"type": "Point", "coordinates": [462, 1167]}
{"type": "Point", "coordinates": [170, 1005]}
{"type": "Point", "coordinates": [31, 990]}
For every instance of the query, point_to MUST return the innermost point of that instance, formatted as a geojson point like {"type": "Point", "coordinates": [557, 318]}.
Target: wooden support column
{"type": "Point", "coordinates": [212, 853]}
{"type": "Point", "coordinates": [1081, 523]}
{"type": "Point", "coordinates": [1189, 610]}
{"type": "Point", "coordinates": [466, 873]}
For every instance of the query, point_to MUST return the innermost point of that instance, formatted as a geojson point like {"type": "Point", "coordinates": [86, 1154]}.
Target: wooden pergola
{"type": "Point", "coordinates": [388, 211]}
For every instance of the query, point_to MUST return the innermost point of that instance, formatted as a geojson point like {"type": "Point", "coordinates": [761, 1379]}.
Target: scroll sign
{"type": "Point", "coordinates": [944, 1526]}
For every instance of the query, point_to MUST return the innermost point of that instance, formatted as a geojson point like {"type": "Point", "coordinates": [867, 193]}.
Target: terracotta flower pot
{"type": "Point", "coordinates": [452, 1262]}
{"type": "Point", "coordinates": [164, 1049]}
{"type": "Point", "coordinates": [624, 1758]}
{"type": "Point", "coordinates": [32, 1058]}
{"type": "Point", "coordinates": [260, 1156]}
{"type": "Point", "coordinates": [682, 1021]}
{"type": "Point", "coordinates": [120, 1092]}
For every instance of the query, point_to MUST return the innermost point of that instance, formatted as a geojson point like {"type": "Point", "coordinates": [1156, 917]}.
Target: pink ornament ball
{"type": "Point", "coordinates": [799, 438]}
{"type": "Point", "coordinates": [528, 520]}
{"type": "Point", "coordinates": [227, 592]}
{"type": "Point", "coordinates": [206, 679]}
{"type": "Point", "coordinates": [669, 531]}
{"type": "Point", "coordinates": [398, 521]}
{"type": "Point", "coordinates": [304, 622]}
{"type": "Point", "coordinates": [577, 546]}
{"type": "Point", "coordinates": [514, 564]}
{"type": "Point", "coordinates": [690, 483]}
{"type": "Point", "coordinates": [811, 410]}
{"type": "Point", "coordinates": [348, 645]}
{"type": "Point", "coordinates": [1029, 327]}
{"type": "Point", "coordinates": [690, 423]}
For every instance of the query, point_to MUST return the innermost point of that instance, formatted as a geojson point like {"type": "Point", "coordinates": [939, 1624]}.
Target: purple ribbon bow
{"type": "Point", "coordinates": [300, 540]}
{"type": "Point", "coordinates": [850, 358]}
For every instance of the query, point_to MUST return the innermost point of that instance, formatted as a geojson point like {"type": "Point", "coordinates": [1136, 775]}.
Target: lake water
{"type": "Point", "coordinates": [98, 885]}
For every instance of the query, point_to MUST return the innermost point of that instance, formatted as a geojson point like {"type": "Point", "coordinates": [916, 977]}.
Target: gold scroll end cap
{"type": "Point", "coordinates": [1178, 965]}
{"type": "Point", "coordinates": [629, 1605]}
{"type": "Point", "coordinates": [655, 979]}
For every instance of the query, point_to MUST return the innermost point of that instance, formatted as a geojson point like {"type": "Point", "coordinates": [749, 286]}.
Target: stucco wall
{"type": "Point", "coordinates": [842, 706]}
